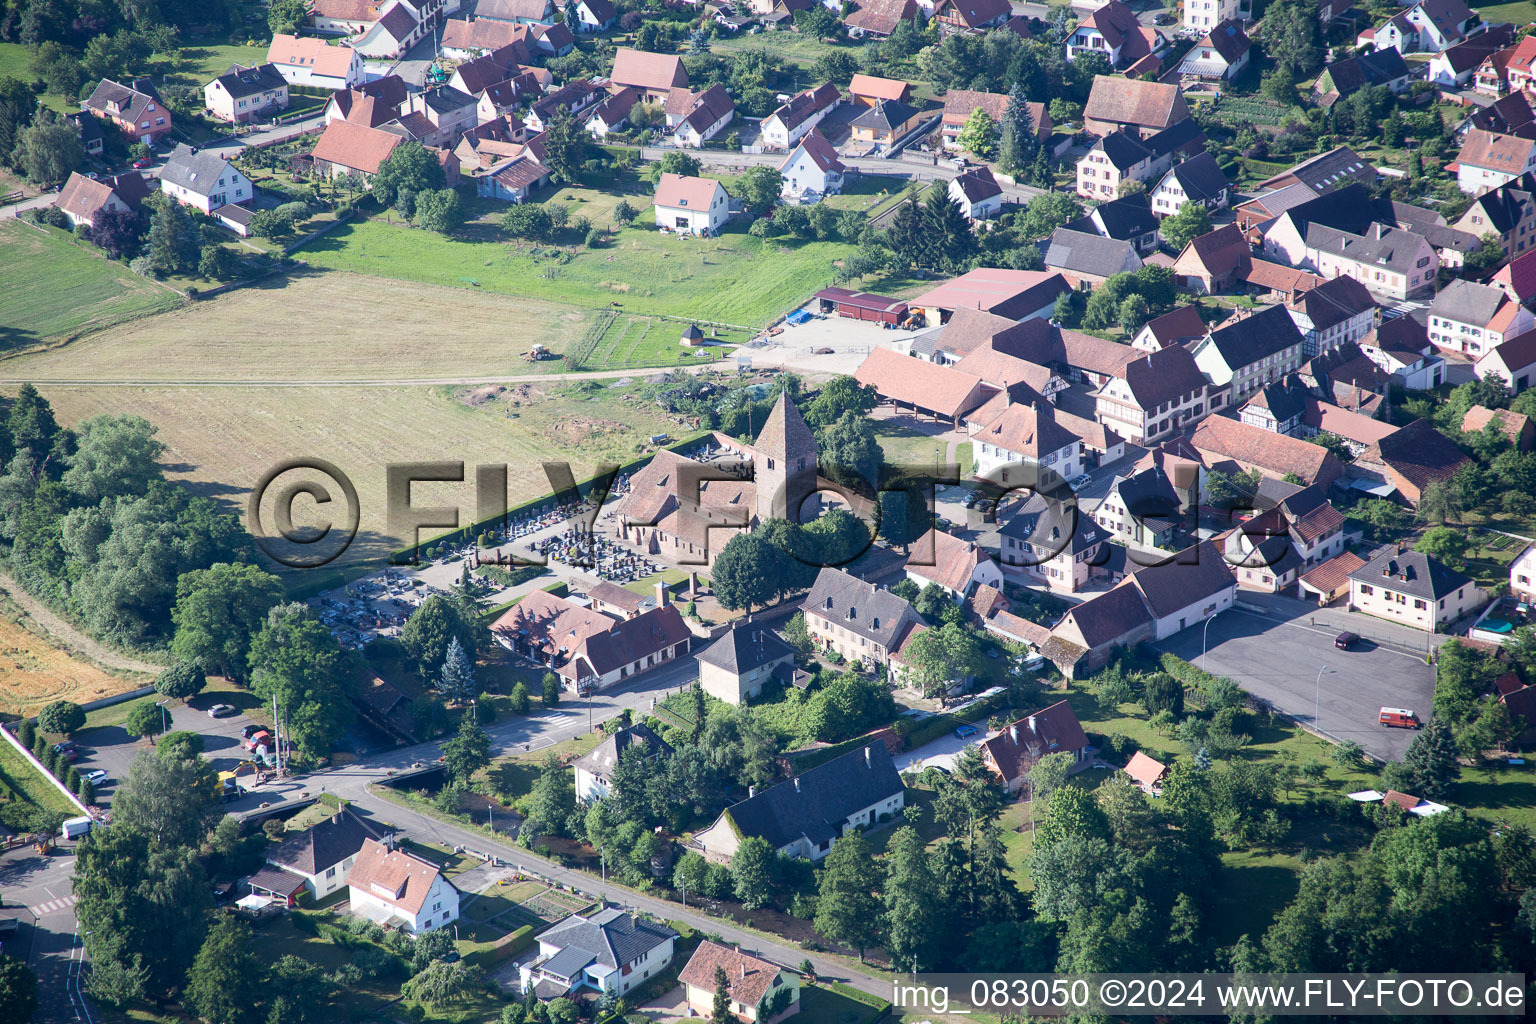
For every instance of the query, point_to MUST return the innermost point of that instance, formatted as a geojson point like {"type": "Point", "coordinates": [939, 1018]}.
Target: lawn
{"type": "Point", "coordinates": [15, 61]}
{"type": "Point", "coordinates": [513, 777]}
{"type": "Point", "coordinates": [820, 1005]}
{"type": "Point", "coordinates": [1499, 793]}
{"type": "Point", "coordinates": [1522, 13]}
{"type": "Point", "coordinates": [734, 279]}
{"type": "Point", "coordinates": [56, 289]}
{"type": "Point", "coordinates": [25, 783]}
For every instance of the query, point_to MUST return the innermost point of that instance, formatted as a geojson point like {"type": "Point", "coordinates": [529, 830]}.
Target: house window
{"type": "Point", "coordinates": [330, 872]}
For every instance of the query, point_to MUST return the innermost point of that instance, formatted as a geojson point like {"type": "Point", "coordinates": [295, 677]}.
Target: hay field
{"type": "Point", "coordinates": [33, 673]}
{"type": "Point", "coordinates": [319, 326]}
{"type": "Point", "coordinates": [222, 440]}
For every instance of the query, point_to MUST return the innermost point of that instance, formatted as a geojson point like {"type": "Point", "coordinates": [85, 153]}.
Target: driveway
{"type": "Point", "coordinates": [1278, 656]}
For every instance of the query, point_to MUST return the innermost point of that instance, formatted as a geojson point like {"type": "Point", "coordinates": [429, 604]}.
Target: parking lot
{"type": "Point", "coordinates": [1279, 656]}
{"type": "Point", "coordinates": [112, 750]}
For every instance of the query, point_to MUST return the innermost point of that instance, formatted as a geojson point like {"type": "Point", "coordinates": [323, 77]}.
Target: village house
{"type": "Point", "coordinates": [1114, 31]}
{"type": "Point", "coordinates": [1114, 159]}
{"type": "Point", "coordinates": [1247, 352]}
{"type": "Point", "coordinates": [594, 15]}
{"type": "Point", "coordinates": [1198, 180]}
{"type": "Point", "coordinates": [1393, 263]}
{"type": "Point", "coordinates": [1224, 442]}
{"type": "Point", "coordinates": [203, 180]}
{"type": "Point", "coordinates": [610, 951]}
{"type": "Point", "coordinates": [970, 16]}
{"type": "Point", "coordinates": [695, 118]}
{"type": "Point", "coordinates": [346, 147]}
{"type": "Point", "coordinates": [798, 115]}
{"type": "Point", "coordinates": [1401, 348]}
{"type": "Point", "coordinates": [1473, 319]}
{"type": "Point", "coordinates": [812, 168]}
{"type": "Point", "coordinates": [1489, 159]}
{"type": "Point", "coordinates": [1218, 56]}
{"type": "Point", "coordinates": [1019, 746]}
{"type": "Point", "coordinates": [135, 108]}
{"type": "Point", "coordinates": [1152, 603]}
{"type": "Point", "coordinates": [322, 856]}
{"type": "Point", "coordinates": [1142, 108]}
{"type": "Point", "coordinates": [1141, 509]}
{"type": "Point", "coordinates": [314, 63]}
{"type": "Point", "coordinates": [1513, 362]}
{"type": "Point", "coordinates": [1325, 172]}
{"type": "Point", "coordinates": [867, 90]}
{"type": "Point", "coordinates": [1184, 326]}
{"type": "Point", "coordinates": [1201, 16]}
{"type": "Point", "coordinates": [1413, 589]}
{"type": "Point", "coordinates": [517, 12]}
{"type": "Point", "coordinates": [655, 75]}
{"type": "Point", "coordinates": [389, 38]}
{"type": "Point", "coordinates": [1215, 262]}
{"type": "Point", "coordinates": [942, 392]}
{"type": "Point", "coordinates": [514, 176]}
{"type": "Point", "coordinates": [759, 992]}
{"type": "Point", "coordinates": [1429, 26]}
{"type": "Point", "coordinates": [1508, 211]}
{"type": "Point", "coordinates": [801, 817]}
{"type": "Point", "coordinates": [1522, 575]}
{"type": "Point", "coordinates": [879, 18]}
{"type": "Point", "coordinates": [1049, 541]}
{"type": "Point", "coordinates": [574, 98]}
{"type": "Point", "coordinates": [955, 565]}
{"type": "Point", "coordinates": [1126, 219]}
{"type": "Point", "coordinates": [594, 769]}
{"type": "Point", "coordinates": [371, 104]}
{"type": "Point", "coordinates": [736, 667]}
{"type": "Point", "coordinates": [1348, 75]}
{"type": "Point", "coordinates": [959, 104]}
{"type": "Point", "coordinates": [1017, 445]}
{"type": "Point", "coordinates": [1158, 394]}
{"type": "Point", "coordinates": [885, 123]}
{"type": "Point", "coordinates": [586, 649]}
{"type": "Point", "coordinates": [1086, 257]}
{"type": "Point", "coordinates": [82, 198]}
{"type": "Point", "coordinates": [1408, 460]}
{"type": "Point", "coordinates": [855, 619]}
{"type": "Point", "coordinates": [398, 889]}
{"type": "Point", "coordinates": [465, 39]}
{"type": "Point", "coordinates": [242, 94]}
{"type": "Point", "coordinates": [691, 206]}
{"type": "Point", "coordinates": [612, 113]}
{"type": "Point", "coordinates": [1332, 314]}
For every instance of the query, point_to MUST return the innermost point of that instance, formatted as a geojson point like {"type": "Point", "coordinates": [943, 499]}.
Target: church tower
{"type": "Point", "coordinates": [785, 465]}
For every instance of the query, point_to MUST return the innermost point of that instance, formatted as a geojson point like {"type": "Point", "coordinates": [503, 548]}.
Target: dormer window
{"type": "Point", "coordinates": [874, 623]}
{"type": "Point", "coordinates": [853, 613]}
{"type": "Point", "coordinates": [829, 603]}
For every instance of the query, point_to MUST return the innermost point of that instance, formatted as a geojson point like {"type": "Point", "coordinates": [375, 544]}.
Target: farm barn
{"type": "Point", "coordinates": [862, 306]}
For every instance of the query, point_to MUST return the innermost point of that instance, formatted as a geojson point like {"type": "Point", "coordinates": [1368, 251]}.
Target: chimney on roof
{"type": "Point", "coordinates": [867, 761]}
{"type": "Point", "coordinates": [797, 783]}
{"type": "Point", "coordinates": [661, 593]}
{"type": "Point", "coordinates": [1032, 725]}
{"type": "Point", "coordinates": [751, 792]}
{"type": "Point", "coordinates": [1013, 733]}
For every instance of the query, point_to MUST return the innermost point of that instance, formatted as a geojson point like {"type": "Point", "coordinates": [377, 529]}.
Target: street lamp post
{"type": "Point", "coordinates": [1317, 696]}
{"type": "Point", "coordinates": [1205, 636]}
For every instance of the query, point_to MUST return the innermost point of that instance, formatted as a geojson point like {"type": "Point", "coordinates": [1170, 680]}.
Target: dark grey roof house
{"type": "Point", "coordinates": [323, 853]}
{"type": "Point", "coordinates": [594, 769]}
{"type": "Point", "coordinates": [1127, 219]}
{"type": "Point", "coordinates": [735, 667]}
{"type": "Point", "coordinates": [1090, 256]}
{"type": "Point", "coordinates": [802, 817]}
{"type": "Point", "coordinates": [611, 950]}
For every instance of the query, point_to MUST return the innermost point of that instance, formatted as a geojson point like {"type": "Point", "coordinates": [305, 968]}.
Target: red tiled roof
{"type": "Point", "coordinates": [1053, 730]}
{"type": "Point", "coordinates": [940, 389]}
{"type": "Point", "coordinates": [879, 88]}
{"type": "Point", "coordinates": [648, 70]}
{"type": "Point", "coordinates": [684, 192]}
{"type": "Point", "coordinates": [355, 146]}
{"type": "Point", "coordinates": [749, 978]}
{"type": "Point", "coordinates": [1145, 770]}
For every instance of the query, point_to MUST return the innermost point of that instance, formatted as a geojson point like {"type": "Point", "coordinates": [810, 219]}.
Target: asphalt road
{"type": "Point", "coordinates": [38, 891]}
{"type": "Point", "coordinates": [1278, 656]}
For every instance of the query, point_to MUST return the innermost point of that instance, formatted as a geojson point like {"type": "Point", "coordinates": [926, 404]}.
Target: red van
{"type": "Point", "coordinates": [1399, 718]}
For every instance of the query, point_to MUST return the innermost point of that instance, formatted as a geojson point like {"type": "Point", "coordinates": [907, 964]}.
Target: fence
{"type": "Point", "coordinates": [13, 741]}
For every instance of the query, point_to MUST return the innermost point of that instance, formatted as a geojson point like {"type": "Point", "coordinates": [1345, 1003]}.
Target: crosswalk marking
{"type": "Point", "coordinates": [47, 908]}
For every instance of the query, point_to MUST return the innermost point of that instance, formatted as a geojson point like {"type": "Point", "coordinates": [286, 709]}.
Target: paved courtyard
{"type": "Point", "coordinates": [1277, 656]}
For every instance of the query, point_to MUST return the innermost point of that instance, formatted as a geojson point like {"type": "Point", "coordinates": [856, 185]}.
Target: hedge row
{"type": "Point", "coordinates": [507, 947]}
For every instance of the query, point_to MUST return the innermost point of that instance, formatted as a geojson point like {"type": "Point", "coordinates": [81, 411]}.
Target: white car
{"type": "Point", "coordinates": [96, 777]}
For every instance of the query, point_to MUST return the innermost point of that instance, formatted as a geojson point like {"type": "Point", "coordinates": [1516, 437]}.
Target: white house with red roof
{"type": "Point", "coordinates": [654, 74]}
{"type": "Point", "coordinates": [1473, 319]}
{"type": "Point", "coordinates": [586, 649]}
{"type": "Point", "coordinates": [392, 887]}
{"type": "Point", "coordinates": [1513, 362]}
{"type": "Point", "coordinates": [313, 62]}
{"type": "Point", "coordinates": [689, 205]}
{"type": "Point", "coordinates": [812, 168]}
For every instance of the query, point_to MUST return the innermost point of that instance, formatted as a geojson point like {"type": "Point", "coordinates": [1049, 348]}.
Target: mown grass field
{"type": "Point", "coordinates": [21, 781]}
{"type": "Point", "coordinates": [635, 341]}
{"type": "Point", "coordinates": [222, 440]}
{"type": "Point", "coordinates": [56, 289]}
{"type": "Point", "coordinates": [734, 279]}
{"type": "Point", "coordinates": [294, 330]}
